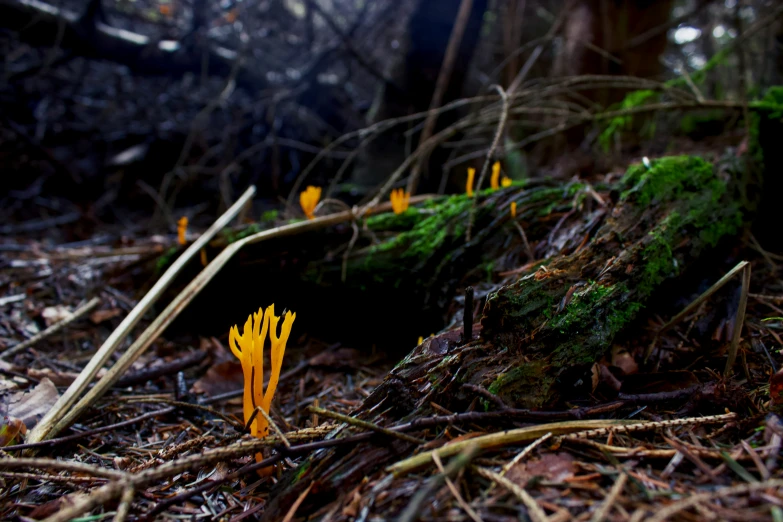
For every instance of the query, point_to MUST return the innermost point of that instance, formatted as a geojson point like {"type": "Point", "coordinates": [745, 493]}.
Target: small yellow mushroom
{"type": "Point", "coordinates": [400, 200]}
{"type": "Point", "coordinates": [249, 349]}
{"type": "Point", "coordinates": [182, 230]}
{"type": "Point", "coordinates": [309, 199]}
{"type": "Point", "coordinates": [469, 185]}
{"type": "Point", "coordinates": [505, 182]}
{"type": "Point", "coordinates": [494, 180]}
{"type": "Point", "coordinates": [513, 209]}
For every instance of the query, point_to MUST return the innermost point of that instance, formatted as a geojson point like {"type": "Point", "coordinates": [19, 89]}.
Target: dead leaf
{"type": "Point", "coordinates": [53, 506]}
{"type": "Point", "coordinates": [625, 361]}
{"type": "Point", "coordinates": [100, 316]}
{"type": "Point", "coordinates": [29, 406]}
{"type": "Point", "coordinates": [220, 378]}
{"type": "Point", "coordinates": [553, 467]}
{"type": "Point", "coordinates": [9, 429]}
{"type": "Point", "coordinates": [337, 359]}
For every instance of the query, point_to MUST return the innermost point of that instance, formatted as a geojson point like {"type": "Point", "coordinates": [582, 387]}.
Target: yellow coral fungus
{"type": "Point", "coordinates": [182, 230]}
{"type": "Point", "coordinates": [513, 209]}
{"type": "Point", "coordinates": [469, 185]}
{"type": "Point", "coordinates": [309, 199]}
{"type": "Point", "coordinates": [249, 349]}
{"type": "Point", "coordinates": [400, 200]}
{"type": "Point", "coordinates": [494, 180]}
{"type": "Point", "coordinates": [505, 182]}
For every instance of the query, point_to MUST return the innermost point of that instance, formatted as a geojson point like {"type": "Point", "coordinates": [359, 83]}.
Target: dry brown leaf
{"type": "Point", "coordinates": [220, 378]}
{"type": "Point", "coordinates": [10, 428]}
{"type": "Point", "coordinates": [337, 359]}
{"type": "Point", "coordinates": [29, 406]}
{"type": "Point", "coordinates": [553, 467]}
{"type": "Point", "coordinates": [53, 506]}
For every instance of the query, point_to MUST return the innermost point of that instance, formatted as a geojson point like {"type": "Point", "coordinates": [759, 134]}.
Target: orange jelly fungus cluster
{"type": "Point", "coordinates": [309, 199]}
{"type": "Point", "coordinates": [469, 184]}
{"type": "Point", "coordinates": [182, 230]}
{"type": "Point", "coordinates": [249, 349]}
{"type": "Point", "coordinates": [400, 200]}
{"type": "Point", "coordinates": [494, 179]}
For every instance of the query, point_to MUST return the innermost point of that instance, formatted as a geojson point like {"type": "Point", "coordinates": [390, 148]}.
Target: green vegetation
{"type": "Point", "coordinates": [693, 200]}
{"type": "Point", "coordinates": [165, 260]}
{"type": "Point", "coordinates": [631, 101]}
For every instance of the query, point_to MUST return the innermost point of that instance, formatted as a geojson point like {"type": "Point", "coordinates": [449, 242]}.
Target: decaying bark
{"type": "Point", "coordinates": [539, 335]}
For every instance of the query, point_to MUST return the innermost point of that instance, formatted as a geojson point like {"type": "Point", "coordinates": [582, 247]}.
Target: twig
{"type": "Point", "coordinates": [525, 452]}
{"type": "Point", "coordinates": [464, 505]}
{"type": "Point", "coordinates": [274, 425]}
{"type": "Point", "coordinates": [366, 425]}
{"type": "Point", "coordinates": [504, 438]}
{"type": "Point", "coordinates": [298, 502]}
{"type": "Point", "coordinates": [125, 501]}
{"type": "Point", "coordinates": [452, 49]}
{"type": "Point", "coordinates": [74, 467]}
{"type": "Point", "coordinates": [646, 426]}
{"type": "Point", "coordinates": [739, 320]}
{"type": "Point", "coordinates": [490, 155]}
{"type": "Point", "coordinates": [52, 423]}
{"type": "Point", "coordinates": [698, 301]}
{"type": "Point", "coordinates": [529, 251]}
{"type": "Point", "coordinates": [533, 509]}
{"type": "Point", "coordinates": [188, 405]}
{"type": "Point", "coordinates": [602, 511]}
{"type": "Point", "coordinates": [413, 510]}
{"type": "Point", "coordinates": [92, 303]}
{"type": "Point", "coordinates": [88, 433]}
{"type": "Point", "coordinates": [467, 318]}
{"type": "Point", "coordinates": [521, 455]}
{"type": "Point", "coordinates": [692, 500]}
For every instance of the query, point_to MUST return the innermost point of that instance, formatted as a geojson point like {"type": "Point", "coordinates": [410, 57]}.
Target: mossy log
{"type": "Point", "coordinates": [540, 334]}
{"type": "Point", "coordinates": [421, 255]}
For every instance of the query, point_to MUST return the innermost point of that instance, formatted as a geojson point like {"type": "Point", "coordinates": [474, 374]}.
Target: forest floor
{"type": "Point", "coordinates": [698, 446]}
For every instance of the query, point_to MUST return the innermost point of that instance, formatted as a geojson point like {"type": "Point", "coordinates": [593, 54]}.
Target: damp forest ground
{"type": "Point", "coordinates": [696, 446]}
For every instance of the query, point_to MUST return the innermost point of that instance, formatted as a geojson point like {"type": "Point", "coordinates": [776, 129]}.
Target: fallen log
{"type": "Point", "coordinates": [541, 333]}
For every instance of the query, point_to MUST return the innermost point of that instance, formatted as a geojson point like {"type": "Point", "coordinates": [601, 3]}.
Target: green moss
{"type": "Point", "coordinates": [617, 124]}
{"type": "Point", "coordinates": [389, 221]}
{"type": "Point", "coordinates": [667, 178]}
{"type": "Point", "coordinates": [698, 205]}
{"type": "Point", "coordinates": [596, 313]}
{"type": "Point", "coordinates": [773, 100]}
{"type": "Point", "coordinates": [438, 224]}
{"type": "Point", "coordinates": [253, 228]}
{"type": "Point", "coordinates": [165, 260]}
{"type": "Point", "coordinates": [523, 383]}
{"type": "Point", "coordinates": [270, 215]}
